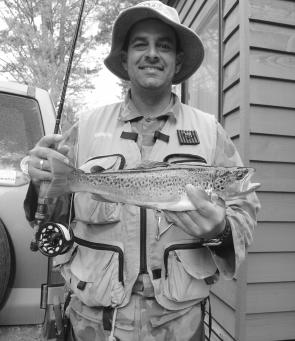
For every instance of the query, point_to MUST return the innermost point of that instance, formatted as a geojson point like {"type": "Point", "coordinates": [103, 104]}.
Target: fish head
{"type": "Point", "coordinates": [232, 182]}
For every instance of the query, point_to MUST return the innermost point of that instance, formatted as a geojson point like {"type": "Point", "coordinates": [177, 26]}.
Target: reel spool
{"type": "Point", "coordinates": [54, 239]}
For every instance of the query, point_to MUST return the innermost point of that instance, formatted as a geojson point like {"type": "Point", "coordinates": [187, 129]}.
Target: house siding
{"type": "Point", "coordinates": [258, 112]}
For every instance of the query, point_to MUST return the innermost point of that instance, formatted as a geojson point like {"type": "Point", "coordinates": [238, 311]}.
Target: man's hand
{"type": "Point", "coordinates": [39, 167]}
{"type": "Point", "coordinates": [207, 221]}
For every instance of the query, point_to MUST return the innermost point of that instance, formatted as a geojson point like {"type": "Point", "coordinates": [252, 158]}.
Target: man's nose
{"type": "Point", "coordinates": [152, 52]}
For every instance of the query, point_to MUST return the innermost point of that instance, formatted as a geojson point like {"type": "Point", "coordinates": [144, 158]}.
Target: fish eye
{"type": "Point", "coordinates": [240, 174]}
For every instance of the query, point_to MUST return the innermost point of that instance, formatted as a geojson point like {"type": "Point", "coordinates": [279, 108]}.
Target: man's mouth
{"type": "Point", "coordinates": [151, 67]}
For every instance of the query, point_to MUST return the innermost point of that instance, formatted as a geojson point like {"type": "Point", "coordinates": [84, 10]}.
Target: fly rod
{"type": "Point", "coordinates": [41, 211]}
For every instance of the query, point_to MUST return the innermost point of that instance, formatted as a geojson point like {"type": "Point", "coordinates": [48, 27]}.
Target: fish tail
{"type": "Point", "coordinates": [60, 183]}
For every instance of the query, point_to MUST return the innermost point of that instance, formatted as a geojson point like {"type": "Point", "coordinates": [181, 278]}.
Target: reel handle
{"type": "Point", "coordinates": [40, 214]}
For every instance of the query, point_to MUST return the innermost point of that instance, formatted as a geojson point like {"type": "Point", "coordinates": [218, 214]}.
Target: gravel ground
{"type": "Point", "coordinates": [25, 333]}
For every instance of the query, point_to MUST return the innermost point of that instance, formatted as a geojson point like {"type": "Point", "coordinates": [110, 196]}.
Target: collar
{"type": "Point", "coordinates": [129, 111]}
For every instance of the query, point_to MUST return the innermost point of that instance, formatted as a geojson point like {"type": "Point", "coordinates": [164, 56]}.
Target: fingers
{"type": "Point", "coordinates": [39, 170]}
{"type": "Point", "coordinates": [184, 221]}
{"type": "Point", "coordinates": [199, 198]}
{"type": "Point", "coordinates": [202, 201]}
{"type": "Point", "coordinates": [206, 220]}
{"type": "Point", "coordinates": [63, 149]}
{"type": "Point", "coordinates": [38, 165]}
{"type": "Point", "coordinates": [50, 140]}
{"type": "Point", "coordinates": [178, 218]}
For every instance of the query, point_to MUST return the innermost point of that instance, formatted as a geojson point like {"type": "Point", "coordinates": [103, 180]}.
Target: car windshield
{"type": "Point", "coordinates": [20, 128]}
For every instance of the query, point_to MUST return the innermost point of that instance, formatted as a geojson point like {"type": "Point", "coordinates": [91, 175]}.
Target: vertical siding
{"type": "Point", "coordinates": [236, 106]}
{"type": "Point", "coordinates": [271, 270]}
{"type": "Point", "coordinates": [259, 102]}
{"type": "Point", "coordinates": [258, 112]}
{"type": "Point", "coordinates": [193, 14]}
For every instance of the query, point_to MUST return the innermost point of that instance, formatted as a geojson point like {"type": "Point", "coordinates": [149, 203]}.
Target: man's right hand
{"type": "Point", "coordinates": [38, 164]}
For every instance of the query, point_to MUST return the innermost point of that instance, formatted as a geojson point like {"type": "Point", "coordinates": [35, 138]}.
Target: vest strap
{"type": "Point", "coordinates": [127, 135]}
{"type": "Point", "coordinates": [107, 317]}
{"type": "Point", "coordinates": [160, 136]}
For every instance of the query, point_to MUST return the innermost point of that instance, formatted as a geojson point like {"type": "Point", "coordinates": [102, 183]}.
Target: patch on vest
{"type": "Point", "coordinates": [188, 137]}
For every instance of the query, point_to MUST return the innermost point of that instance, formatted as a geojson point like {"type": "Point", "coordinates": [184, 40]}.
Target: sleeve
{"type": "Point", "coordinates": [241, 213]}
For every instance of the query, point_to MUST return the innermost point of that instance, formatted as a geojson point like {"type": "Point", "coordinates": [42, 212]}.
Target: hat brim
{"type": "Point", "coordinates": [191, 44]}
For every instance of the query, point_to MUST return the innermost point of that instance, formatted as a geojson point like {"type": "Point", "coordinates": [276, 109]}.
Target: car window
{"type": "Point", "coordinates": [20, 128]}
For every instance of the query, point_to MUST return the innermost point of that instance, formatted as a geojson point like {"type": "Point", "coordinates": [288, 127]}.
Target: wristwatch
{"type": "Point", "coordinates": [24, 166]}
{"type": "Point", "coordinates": [221, 237]}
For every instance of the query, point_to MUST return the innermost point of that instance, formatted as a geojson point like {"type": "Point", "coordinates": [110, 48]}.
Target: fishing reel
{"type": "Point", "coordinates": [54, 239]}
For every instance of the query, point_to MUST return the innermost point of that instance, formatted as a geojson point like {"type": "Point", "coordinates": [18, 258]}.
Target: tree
{"type": "Point", "coordinates": [36, 39]}
{"type": "Point", "coordinates": [108, 11]}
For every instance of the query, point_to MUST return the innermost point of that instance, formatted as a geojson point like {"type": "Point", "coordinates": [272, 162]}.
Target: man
{"type": "Point", "coordinates": [147, 276]}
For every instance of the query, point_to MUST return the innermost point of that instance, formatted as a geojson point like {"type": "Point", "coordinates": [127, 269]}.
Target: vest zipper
{"type": "Point", "coordinates": [105, 247]}
{"type": "Point", "coordinates": [186, 246]}
{"type": "Point", "coordinates": [143, 265]}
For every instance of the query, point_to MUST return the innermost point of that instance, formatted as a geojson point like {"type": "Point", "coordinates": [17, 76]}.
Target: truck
{"type": "Point", "coordinates": [26, 114]}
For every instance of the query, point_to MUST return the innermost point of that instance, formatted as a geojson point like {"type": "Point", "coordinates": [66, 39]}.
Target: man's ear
{"type": "Point", "coordinates": [179, 61]}
{"type": "Point", "coordinates": [124, 59]}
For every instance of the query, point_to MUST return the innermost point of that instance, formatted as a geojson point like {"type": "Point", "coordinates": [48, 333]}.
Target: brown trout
{"type": "Point", "coordinates": [159, 187]}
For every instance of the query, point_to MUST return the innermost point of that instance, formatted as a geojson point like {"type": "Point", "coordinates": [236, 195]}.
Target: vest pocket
{"type": "Point", "coordinates": [95, 275]}
{"type": "Point", "coordinates": [187, 267]}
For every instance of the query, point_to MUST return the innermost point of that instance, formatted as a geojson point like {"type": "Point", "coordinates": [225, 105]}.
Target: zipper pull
{"type": "Point", "coordinates": [112, 337]}
{"type": "Point", "coordinates": [158, 214]}
{"type": "Point", "coordinates": [159, 227]}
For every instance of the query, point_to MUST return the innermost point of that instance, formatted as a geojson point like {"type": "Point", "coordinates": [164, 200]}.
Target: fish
{"type": "Point", "coordinates": [156, 185]}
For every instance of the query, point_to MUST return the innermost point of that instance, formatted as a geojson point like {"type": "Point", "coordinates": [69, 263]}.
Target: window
{"type": "Point", "coordinates": [202, 87]}
{"type": "Point", "coordinates": [20, 128]}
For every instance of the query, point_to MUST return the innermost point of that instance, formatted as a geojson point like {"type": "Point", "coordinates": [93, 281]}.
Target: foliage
{"type": "Point", "coordinates": [36, 38]}
{"type": "Point", "coordinates": [108, 10]}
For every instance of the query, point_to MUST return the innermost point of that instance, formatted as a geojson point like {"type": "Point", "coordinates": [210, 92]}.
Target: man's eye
{"type": "Point", "coordinates": [165, 46]}
{"type": "Point", "coordinates": [139, 45]}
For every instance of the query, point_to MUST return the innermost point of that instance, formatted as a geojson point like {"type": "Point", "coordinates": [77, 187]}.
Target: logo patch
{"type": "Point", "coordinates": [188, 137]}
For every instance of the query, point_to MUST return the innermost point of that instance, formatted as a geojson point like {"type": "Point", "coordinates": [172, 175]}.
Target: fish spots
{"type": "Point", "coordinates": [163, 184]}
{"type": "Point", "coordinates": [219, 183]}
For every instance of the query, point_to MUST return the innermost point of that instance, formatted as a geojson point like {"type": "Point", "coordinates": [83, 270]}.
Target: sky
{"type": "Point", "coordinates": [106, 89]}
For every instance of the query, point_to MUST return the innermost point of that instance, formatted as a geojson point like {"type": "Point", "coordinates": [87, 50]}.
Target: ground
{"type": "Point", "coordinates": [26, 333]}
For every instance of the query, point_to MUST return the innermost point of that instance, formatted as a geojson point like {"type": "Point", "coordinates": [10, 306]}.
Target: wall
{"type": "Point", "coordinates": [257, 110]}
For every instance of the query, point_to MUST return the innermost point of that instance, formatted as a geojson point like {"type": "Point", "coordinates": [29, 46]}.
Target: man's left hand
{"type": "Point", "coordinates": [206, 221]}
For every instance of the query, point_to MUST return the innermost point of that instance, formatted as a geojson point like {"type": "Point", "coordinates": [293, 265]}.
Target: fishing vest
{"type": "Point", "coordinates": [122, 240]}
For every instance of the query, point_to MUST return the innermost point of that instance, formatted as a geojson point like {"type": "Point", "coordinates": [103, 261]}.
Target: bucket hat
{"type": "Point", "coordinates": [190, 43]}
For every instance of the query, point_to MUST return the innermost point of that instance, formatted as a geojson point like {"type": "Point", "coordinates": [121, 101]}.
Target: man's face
{"type": "Point", "coordinates": [151, 59]}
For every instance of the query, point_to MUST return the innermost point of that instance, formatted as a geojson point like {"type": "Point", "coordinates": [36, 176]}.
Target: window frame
{"type": "Point", "coordinates": [217, 7]}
